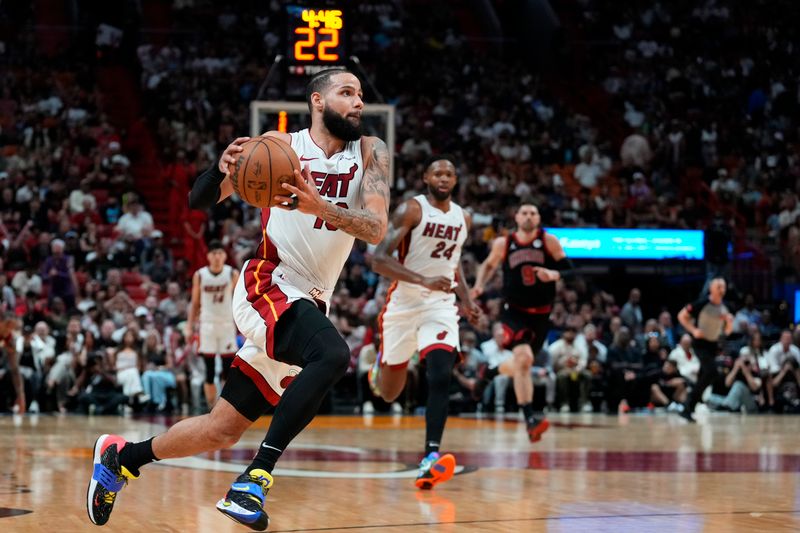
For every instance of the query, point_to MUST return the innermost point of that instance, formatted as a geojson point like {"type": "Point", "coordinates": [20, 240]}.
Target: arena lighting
{"type": "Point", "coordinates": [642, 244]}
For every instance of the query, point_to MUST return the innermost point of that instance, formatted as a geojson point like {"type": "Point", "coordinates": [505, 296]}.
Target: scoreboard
{"type": "Point", "coordinates": [315, 40]}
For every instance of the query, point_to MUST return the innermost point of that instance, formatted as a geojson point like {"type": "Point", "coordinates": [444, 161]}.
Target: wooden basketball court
{"type": "Point", "coordinates": [589, 473]}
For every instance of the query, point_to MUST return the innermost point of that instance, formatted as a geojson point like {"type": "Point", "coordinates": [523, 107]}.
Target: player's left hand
{"type": "Point", "coordinates": [546, 275]}
{"type": "Point", "coordinates": [306, 196]}
{"type": "Point", "coordinates": [474, 313]}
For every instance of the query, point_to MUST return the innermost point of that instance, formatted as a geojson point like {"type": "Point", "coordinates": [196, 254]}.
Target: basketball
{"type": "Point", "coordinates": [261, 168]}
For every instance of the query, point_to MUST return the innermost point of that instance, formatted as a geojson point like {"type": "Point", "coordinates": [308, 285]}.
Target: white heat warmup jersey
{"type": "Point", "coordinates": [305, 244]}
{"type": "Point", "coordinates": [215, 295]}
{"type": "Point", "coordinates": [433, 247]}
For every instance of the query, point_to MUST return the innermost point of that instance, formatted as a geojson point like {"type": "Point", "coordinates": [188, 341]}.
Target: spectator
{"type": "Point", "coordinates": [624, 364]}
{"type": "Point", "coordinates": [782, 351]}
{"type": "Point", "coordinates": [631, 313]}
{"type": "Point", "coordinates": [82, 199]}
{"type": "Point", "coordinates": [136, 223]}
{"type": "Point", "coordinates": [127, 361]}
{"type": "Point", "coordinates": [494, 354]}
{"type": "Point", "coordinates": [26, 281]}
{"type": "Point", "coordinates": [743, 386]}
{"type": "Point", "coordinates": [589, 338]}
{"type": "Point", "coordinates": [8, 300]}
{"type": "Point", "coordinates": [667, 329]}
{"type": "Point", "coordinates": [572, 380]}
{"type": "Point", "coordinates": [685, 358]}
{"type": "Point", "coordinates": [97, 386]}
{"type": "Point", "coordinates": [58, 273]}
{"type": "Point", "coordinates": [746, 316]}
{"type": "Point", "coordinates": [671, 388]}
{"type": "Point", "coordinates": [158, 377]}
{"type": "Point", "coordinates": [469, 370]}
{"type": "Point", "coordinates": [174, 305]}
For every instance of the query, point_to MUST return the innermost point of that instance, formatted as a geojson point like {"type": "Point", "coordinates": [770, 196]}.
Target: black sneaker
{"type": "Point", "coordinates": [108, 478]}
{"type": "Point", "coordinates": [244, 502]}
{"type": "Point", "coordinates": [686, 415]}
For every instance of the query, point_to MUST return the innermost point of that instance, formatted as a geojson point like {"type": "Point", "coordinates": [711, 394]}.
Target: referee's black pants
{"type": "Point", "coordinates": [707, 353]}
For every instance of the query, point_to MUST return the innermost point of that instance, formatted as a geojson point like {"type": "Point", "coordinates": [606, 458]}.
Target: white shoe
{"type": "Point", "coordinates": [702, 409]}
{"type": "Point", "coordinates": [34, 408]}
{"type": "Point", "coordinates": [675, 407]}
{"type": "Point", "coordinates": [564, 409]}
{"type": "Point", "coordinates": [397, 409]}
{"type": "Point", "coordinates": [587, 408]}
{"type": "Point", "coordinates": [367, 408]}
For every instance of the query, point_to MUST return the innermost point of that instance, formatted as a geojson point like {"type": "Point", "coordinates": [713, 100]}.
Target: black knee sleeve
{"type": "Point", "coordinates": [440, 367]}
{"type": "Point", "coordinates": [226, 367]}
{"type": "Point", "coordinates": [210, 363]}
{"type": "Point", "coordinates": [327, 347]}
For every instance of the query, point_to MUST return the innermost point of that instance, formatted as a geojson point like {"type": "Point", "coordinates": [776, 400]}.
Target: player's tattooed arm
{"type": "Point", "coordinates": [370, 223]}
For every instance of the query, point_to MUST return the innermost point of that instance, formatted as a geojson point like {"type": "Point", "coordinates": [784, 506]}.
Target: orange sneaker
{"type": "Point", "coordinates": [435, 469]}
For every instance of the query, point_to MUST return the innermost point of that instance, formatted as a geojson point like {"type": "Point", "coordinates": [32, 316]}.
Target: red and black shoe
{"type": "Point", "coordinates": [536, 428]}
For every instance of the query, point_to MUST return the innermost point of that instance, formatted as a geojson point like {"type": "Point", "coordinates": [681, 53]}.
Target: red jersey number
{"type": "Point", "coordinates": [439, 251]}
{"type": "Point", "coordinates": [528, 275]}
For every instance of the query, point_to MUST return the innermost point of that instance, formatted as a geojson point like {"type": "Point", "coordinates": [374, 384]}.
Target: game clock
{"type": "Point", "coordinates": [315, 39]}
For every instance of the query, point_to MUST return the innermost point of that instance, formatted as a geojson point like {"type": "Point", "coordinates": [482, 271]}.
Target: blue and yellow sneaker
{"type": "Point", "coordinates": [373, 376]}
{"type": "Point", "coordinates": [108, 478]}
{"type": "Point", "coordinates": [435, 469]}
{"type": "Point", "coordinates": [244, 502]}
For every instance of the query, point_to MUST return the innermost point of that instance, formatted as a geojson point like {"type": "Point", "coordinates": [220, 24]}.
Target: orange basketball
{"type": "Point", "coordinates": [261, 168]}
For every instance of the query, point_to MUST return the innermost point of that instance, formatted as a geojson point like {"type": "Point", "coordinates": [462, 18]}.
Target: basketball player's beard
{"type": "Point", "coordinates": [439, 195]}
{"type": "Point", "coordinates": [340, 127]}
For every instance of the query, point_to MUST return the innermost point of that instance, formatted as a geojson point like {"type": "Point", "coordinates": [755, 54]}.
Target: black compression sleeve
{"type": "Point", "coordinates": [205, 192]}
{"type": "Point", "coordinates": [566, 268]}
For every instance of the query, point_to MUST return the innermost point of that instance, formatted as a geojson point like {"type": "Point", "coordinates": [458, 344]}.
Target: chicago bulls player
{"type": "Point", "coordinates": [212, 288]}
{"type": "Point", "coordinates": [279, 303]}
{"type": "Point", "coordinates": [533, 260]}
{"type": "Point", "coordinates": [428, 232]}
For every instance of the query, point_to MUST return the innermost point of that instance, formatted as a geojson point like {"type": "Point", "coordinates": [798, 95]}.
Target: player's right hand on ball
{"type": "Point", "coordinates": [229, 155]}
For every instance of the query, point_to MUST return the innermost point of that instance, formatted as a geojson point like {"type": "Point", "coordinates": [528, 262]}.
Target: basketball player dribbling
{"type": "Point", "coordinates": [279, 303]}
{"type": "Point", "coordinates": [428, 232]}
{"type": "Point", "coordinates": [212, 288]}
{"type": "Point", "coordinates": [533, 260]}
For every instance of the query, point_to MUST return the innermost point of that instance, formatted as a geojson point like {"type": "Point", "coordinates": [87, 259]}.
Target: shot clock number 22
{"type": "Point", "coordinates": [315, 35]}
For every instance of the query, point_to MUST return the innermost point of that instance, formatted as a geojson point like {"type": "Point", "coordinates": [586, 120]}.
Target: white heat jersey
{"type": "Point", "coordinates": [304, 244]}
{"type": "Point", "coordinates": [215, 295]}
{"type": "Point", "coordinates": [433, 247]}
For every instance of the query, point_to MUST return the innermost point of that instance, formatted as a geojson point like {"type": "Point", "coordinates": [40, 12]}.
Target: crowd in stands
{"type": "Point", "coordinates": [699, 130]}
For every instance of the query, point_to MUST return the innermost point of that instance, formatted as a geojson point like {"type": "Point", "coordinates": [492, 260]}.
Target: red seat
{"type": "Point", "coordinates": [131, 278]}
{"type": "Point", "coordinates": [136, 293]}
{"type": "Point", "coordinates": [81, 278]}
{"type": "Point", "coordinates": [101, 195]}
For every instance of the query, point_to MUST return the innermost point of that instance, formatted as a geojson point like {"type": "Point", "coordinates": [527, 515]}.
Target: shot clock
{"type": "Point", "coordinates": [315, 39]}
